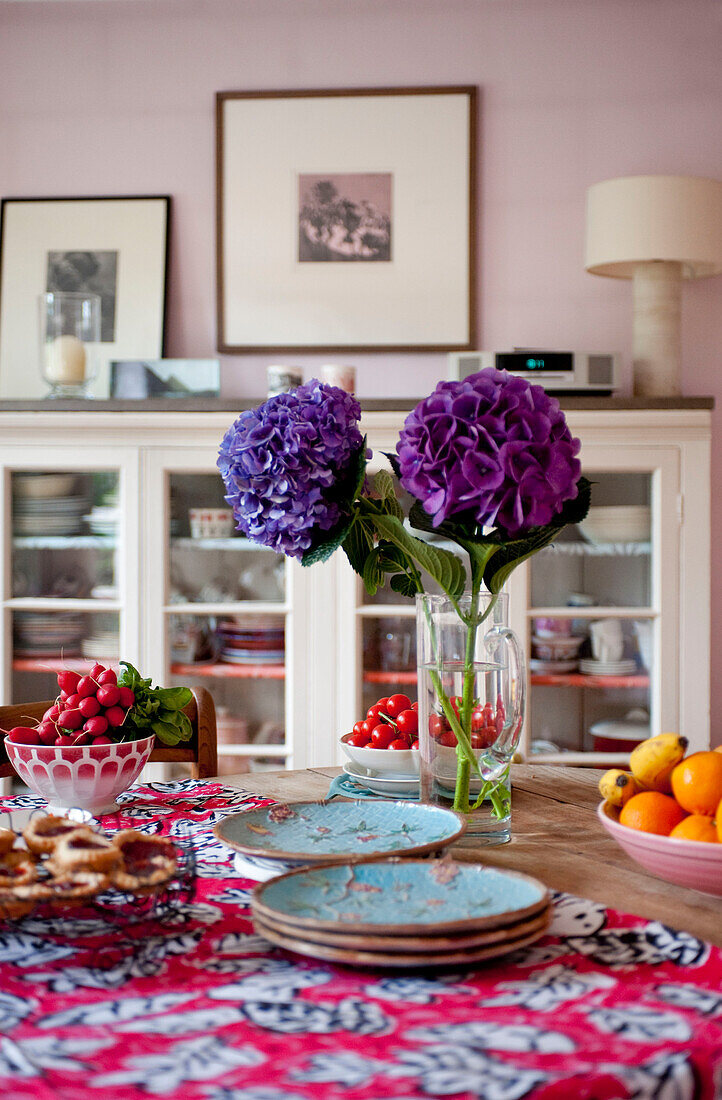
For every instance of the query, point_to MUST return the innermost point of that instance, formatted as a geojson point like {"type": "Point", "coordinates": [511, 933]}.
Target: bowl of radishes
{"type": "Point", "coordinates": [95, 739]}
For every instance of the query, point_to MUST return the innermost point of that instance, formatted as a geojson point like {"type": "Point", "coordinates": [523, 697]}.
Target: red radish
{"type": "Point", "coordinates": [70, 719]}
{"type": "Point", "coordinates": [63, 696]}
{"type": "Point", "coordinates": [115, 716]}
{"type": "Point", "coordinates": [68, 681]}
{"type": "Point", "coordinates": [97, 670]}
{"type": "Point", "coordinates": [127, 697]}
{"type": "Point", "coordinates": [81, 738]}
{"type": "Point", "coordinates": [86, 686]}
{"type": "Point", "coordinates": [107, 677]}
{"type": "Point", "coordinates": [101, 740]}
{"type": "Point", "coordinates": [89, 706]}
{"type": "Point", "coordinates": [63, 739]}
{"type": "Point", "coordinates": [24, 735]}
{"type": "Point", "coordinates": [72, 701]}
{"type": "Point", "coordinates": [96, 726]}
{"type": "Point", "coordinates": [108, 695]}
{"type": "Point", "coordinates": [47, 732]}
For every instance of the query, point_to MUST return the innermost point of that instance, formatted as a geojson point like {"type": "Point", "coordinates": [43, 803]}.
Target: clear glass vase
{"type": "Point", "coordinates": [69, 342]}
{"type": "Point", "coordinates": [471, 708]}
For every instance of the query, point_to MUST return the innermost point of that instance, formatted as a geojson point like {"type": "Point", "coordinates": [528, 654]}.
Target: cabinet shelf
{"type": "Point", "coordinates": [578, 680]}
{"type": "Point", "coordinates": [381, 676]}
{"type": "Point", "coordinates": [600, 549]}
{"type": "Point", "coordinates": [184, 543]}
{"type": "Point", "coordinates": [64, 542]}
{"type": "Point", "coordinates": [238, 672]}
{"type": "Point", "coordinates": [59, 664]}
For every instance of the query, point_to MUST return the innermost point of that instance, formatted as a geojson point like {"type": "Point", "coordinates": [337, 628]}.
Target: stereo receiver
{"type": "Point", "coordinates": [565, 372]}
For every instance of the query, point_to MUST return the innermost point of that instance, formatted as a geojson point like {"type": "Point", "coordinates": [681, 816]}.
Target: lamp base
{"type": "Point", "coordinates": [657, 350]}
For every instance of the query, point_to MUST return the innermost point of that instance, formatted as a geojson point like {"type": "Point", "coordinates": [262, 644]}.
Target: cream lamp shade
{"type": "Point", "coordinates": [656, 231]}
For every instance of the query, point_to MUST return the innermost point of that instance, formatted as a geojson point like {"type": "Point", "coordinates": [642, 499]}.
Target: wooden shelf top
{"type": "Point", "coordinates": [226, 671]}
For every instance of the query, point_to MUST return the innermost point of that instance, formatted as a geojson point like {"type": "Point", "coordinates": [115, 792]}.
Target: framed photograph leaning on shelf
{"type": "Point", "coordinates": [116, 248]}
{"type": "Point", "coordinates": [345, 219]}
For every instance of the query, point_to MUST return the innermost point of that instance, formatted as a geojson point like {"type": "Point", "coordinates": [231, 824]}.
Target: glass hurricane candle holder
{"type": "Point", "coordinates": [69, 342]}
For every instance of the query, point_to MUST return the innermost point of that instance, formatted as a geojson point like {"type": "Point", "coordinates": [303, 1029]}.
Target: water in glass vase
{"type": "Point", "coordinates": [471, 693]}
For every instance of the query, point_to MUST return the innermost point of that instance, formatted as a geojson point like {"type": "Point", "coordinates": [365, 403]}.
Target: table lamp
{"type": "Point", "coordinates": [656, 231]}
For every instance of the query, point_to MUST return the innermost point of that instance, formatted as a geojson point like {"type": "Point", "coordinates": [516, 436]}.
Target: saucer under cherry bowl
{"type": "Point", "coordinates": [400, 762]}
{"type": "Point", "coordinates": [84, 777]}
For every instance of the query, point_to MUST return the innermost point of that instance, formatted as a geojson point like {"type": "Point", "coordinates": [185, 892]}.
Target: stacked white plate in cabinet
{"type": "Point", "coordinates": [625, 667]}
{"type": "Point", "coordinates": [402, 913]}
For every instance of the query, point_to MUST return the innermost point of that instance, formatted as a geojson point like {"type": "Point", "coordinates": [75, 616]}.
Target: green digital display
{"type": "Point", "coordinates": [541, 362]}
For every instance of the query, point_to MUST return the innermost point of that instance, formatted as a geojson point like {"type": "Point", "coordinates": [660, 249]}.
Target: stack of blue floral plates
{"type": "Point", "coordinates": [402, 913]}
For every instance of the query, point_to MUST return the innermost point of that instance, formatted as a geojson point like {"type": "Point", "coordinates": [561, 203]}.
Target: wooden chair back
{"type": "Point", "coordinates": [200, 752]}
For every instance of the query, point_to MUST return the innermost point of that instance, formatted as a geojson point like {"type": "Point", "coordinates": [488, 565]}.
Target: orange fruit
{"type": "Point", "coordinates": [697, 782]}
{"type": "Point", "coordinates": [718, 815]}
{"type": "Point", "coordinates": [696, 827]}
{"type": "Point", "coordinates": [651, 812]}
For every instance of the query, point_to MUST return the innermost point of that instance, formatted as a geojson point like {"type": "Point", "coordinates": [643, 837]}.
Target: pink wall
{"type": "Point", "coordinates": [117, 97]}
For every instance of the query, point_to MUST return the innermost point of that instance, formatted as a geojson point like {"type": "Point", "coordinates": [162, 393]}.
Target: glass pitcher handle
{"type": "Point", "coordinates": [508, 740]}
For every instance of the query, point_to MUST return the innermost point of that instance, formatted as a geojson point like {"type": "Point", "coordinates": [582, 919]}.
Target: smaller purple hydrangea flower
{"type": "Point", "coordinates": [492, 449]}
{"type": "Point", "coordinates": [281, 462]}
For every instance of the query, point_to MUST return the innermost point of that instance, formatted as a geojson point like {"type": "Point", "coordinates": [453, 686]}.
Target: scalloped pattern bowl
{"type": "Point", "coordinates": [400, 762]}
{"type": "Point", "coordinates": [85, 777]}
{"type": "Point", "coordinates": [684, 862]}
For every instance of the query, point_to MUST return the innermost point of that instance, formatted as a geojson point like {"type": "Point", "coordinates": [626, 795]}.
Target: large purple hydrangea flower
{"type": "Point", "coordinates": [494, 448]}
{"type": "Point", "coordinates": [282, 461]}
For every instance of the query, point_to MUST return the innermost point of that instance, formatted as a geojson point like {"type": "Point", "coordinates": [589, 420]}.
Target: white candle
{"type": "Point", "coordinates": [65, 360]}
{"type": "Point", "coordinates": [336, 375]}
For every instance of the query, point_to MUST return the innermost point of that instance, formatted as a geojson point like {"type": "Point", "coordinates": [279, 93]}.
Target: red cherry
{"type": "Point", "coordinates": [101, 740]}
{"type": "Point", "coordinates": [414, 744]}
{"type": "Point", "coordinates": [107, 677]}
{"type": "Point", "coordinates": [375, 711]}
{"type": "Point", "coordinates": [63, 739]}
{"type": "Point", "coordinates": [24, 735]}
{"type": "Point", "coordinates": [382, 736]}
{"type": "Point", "coordinates": [68, 681]}
{"type": "Point", "coordinates": [89, 706]}
{"type": "Point", "coordinates": [448, 738]}
{"type": "Point", "coordinates": [115, 716]}
{"type": "Point", "coordinates": [483, 738]}
{"type": "Point", "coordinates": [397, 703]}
{"type": "Point", "coordinates": [370, 724]}
{"type": "Point", "coordinates": [97, 725]}
{"type": "Point", "coordinates": [357, 727]}
{"type": "Point", "coordinates": [96, 671]}
{"type": "Point", "coordinates": [399, 744]}
{"type": "Point", "coordinates": [86, 686]}
{"type": "Point", "coordinates": [127, 697]}
{"type": "Point", "coordinates": [408, 722]}
{"type": "Point", "coordinates": [108, 695]}
{"type": "Point", "coordinates": [70, 719]}
{"type": "Point", "coordinates": [415, 706]}
{"type": "Point", "coordinates": [359, 740]}
{"type": "Point", "coordinates": [437, 725]}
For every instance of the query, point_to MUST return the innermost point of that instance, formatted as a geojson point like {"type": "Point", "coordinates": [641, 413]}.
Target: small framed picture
{"type": "Point", "coordinates": [138, 379]}
{"type": "Point", "coordinates": [351, 230]}
{"type": "Point", "coordinates": [115, 248]}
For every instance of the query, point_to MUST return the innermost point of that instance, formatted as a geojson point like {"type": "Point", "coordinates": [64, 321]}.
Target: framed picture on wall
{"type": "Point", "coordinates": [116, 248]}
{"type": "Point", "coordinates": [345, 220]}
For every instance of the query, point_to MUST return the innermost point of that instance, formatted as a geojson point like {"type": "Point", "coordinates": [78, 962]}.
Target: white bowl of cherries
{"type": "Point", "coordinates": [84, 752]}
{"type": "Point", "coordinates": [387, 739]}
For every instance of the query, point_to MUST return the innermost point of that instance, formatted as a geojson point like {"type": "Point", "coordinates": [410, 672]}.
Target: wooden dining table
{"type": "Point", "coordinates": [556, 836]}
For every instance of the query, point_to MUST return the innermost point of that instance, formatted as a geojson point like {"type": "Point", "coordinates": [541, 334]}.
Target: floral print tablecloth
{"type": "Point", "coordinates": [199, 1007]}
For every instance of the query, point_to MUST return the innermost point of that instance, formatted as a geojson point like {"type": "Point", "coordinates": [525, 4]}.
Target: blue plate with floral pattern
{"type": "Point", "coordinates": [401, 897]}
{"type": "Point", "coordinates": [320, 833]}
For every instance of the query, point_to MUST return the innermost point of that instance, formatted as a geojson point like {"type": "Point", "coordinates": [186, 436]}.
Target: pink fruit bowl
{"type": "Point", "coordinates": [691, 863]}
{"type": "Point", "coordinates": [86, 777]}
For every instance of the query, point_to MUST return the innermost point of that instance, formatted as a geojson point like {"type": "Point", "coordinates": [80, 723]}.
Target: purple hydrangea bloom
{"type": "Point", "coordinates": [281, 462]}
{"type": "Point", "coordinates": [494, 449]}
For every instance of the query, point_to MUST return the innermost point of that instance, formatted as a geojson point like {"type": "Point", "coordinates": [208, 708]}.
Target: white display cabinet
{"type": "Point", "coordinates": [99, 560]}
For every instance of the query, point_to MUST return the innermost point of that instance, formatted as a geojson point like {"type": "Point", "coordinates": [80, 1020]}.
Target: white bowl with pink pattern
{"type": "Point", "coordinates": [85, 777]}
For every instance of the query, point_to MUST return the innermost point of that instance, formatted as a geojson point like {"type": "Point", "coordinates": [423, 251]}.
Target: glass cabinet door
{"type": "Point", "coordinates": [596, 601]}
{"type": "Point", "coordinates": [69, 576]}
{"type": "Point", "coordinates": [220, 613]}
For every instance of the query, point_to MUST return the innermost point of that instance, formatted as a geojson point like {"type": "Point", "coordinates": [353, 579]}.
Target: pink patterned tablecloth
{"type": "Point", "coordinates": [199, 1007]}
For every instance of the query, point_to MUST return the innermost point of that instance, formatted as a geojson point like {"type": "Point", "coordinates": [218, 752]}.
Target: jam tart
{"type": "Point", "coordinates": [13, 907]}
{"type": "Point", "coordinates": [83, 850]}
{"type": "Point", "coordinates": [16, 869]}
{"type": "Point", "coordinates": [7, 839]}
{"type": "Point", "coordinates": [147, 861]}
{"type": "Point", "coordinates": [75, 887]}
{"type": "Point", "coordinates": [41, 834]}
